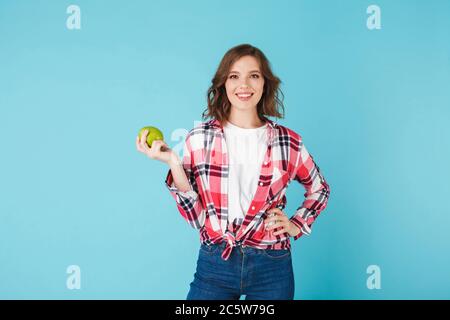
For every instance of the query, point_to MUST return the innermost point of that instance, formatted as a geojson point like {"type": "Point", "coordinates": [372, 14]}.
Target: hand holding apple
{"type": "Point", "coordinates": [153, 133]}
{"type": "Point", "coordinates": [150, 141]}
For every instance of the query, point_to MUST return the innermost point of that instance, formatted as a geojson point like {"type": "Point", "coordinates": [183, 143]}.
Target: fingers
{"type": "Point", "coordinates": [143, 142]}
{"type": "Point", "coordinates": [275, 216]}
{"type": "Point", "coordinates": [152, 152]}
{"type": "Point", "coordinates": [279, 220]}
{"type": "Point", "coordinates": [144, 136]}
{"type": "Point", "coordinates": [283, 230]}
{"type": "Point", "coordinates": [282, 225]}
{"type": "Point", "coordinates": [275, 225]}
{"type": "Point", "coordinates": [275, 210]}
{"type": "Point", "coordinates": [138, 145]}
{"type": "Point", "coordinates": [157, 145]}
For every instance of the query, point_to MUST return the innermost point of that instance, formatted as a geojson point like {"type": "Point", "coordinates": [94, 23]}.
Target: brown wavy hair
{"type": "Point", "coordinates": [271, 101]}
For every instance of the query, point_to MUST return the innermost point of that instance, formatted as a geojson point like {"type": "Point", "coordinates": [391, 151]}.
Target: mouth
{"type": "Point", "coordinates": [244, 96]}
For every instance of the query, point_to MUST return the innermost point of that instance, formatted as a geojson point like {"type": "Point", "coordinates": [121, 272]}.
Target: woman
{"type": "Point", "coordinates": [231, 182]}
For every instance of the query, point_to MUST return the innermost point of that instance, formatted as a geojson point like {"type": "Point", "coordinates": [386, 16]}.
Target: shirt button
{"type": "Point", "coordinates": [260, 183]}
{"type": "Point", "coordinates": [253, 207]}
{"type": "Point", "coordinates": [265, 163]}
{"type": "Point", "coordinates": [270, 201]}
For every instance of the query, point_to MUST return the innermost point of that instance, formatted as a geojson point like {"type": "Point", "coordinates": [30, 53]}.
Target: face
{"type": "Point", "coordinates": [245, 83]}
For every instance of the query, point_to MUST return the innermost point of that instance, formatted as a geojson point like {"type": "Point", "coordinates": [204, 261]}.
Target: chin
{"type": "Point", "coordinates": [244, 105]}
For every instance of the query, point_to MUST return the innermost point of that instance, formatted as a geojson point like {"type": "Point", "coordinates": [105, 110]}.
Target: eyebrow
{"type": "Point", "coordinates": [253, 71]}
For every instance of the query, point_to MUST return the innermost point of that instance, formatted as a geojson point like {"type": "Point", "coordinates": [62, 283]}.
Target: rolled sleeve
{"type": "Point", "coordinates": [189, 203]}
{"type": "Point", "coordinates": [316, 196]}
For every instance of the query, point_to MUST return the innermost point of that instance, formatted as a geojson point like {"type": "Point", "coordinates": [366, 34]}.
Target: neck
{"type": "Point", "coordinates": [247, 119]}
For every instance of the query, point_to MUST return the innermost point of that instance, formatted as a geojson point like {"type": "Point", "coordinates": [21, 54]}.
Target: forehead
{"type": "Point", "coordinates": [245, 63]}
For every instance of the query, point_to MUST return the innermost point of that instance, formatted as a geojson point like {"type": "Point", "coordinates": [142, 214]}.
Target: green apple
{"type": "Point", "coordinates": [153, 134]}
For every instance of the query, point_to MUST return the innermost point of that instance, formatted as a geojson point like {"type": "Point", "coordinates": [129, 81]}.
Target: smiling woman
{"type": "Point", "coordinates": [245, 82]}
{"type": "Point", "coordinates": [232, 180]}
{"type": "Point", "coordinates": [244, 75]}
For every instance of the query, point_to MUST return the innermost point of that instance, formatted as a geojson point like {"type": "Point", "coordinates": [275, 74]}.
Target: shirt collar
{"type": "Point", "coordinates": [272, 128]}
{"type": "Point", "coordinates": [215, 124]}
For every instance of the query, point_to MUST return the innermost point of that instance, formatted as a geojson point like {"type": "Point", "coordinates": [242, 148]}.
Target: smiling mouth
{"type": "Point", "coordinates": [244, 96]}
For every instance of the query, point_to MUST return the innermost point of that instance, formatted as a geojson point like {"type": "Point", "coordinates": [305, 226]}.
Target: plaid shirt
{"type": "Point", "coordinates": [205, 205]}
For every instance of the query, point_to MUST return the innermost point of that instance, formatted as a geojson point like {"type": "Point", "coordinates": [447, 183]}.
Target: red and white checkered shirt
{"type": "Point", "coordinates": [205, 206]}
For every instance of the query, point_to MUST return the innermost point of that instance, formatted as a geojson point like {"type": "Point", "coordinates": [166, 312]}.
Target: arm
{"type": "Point", "coordinates": [182, 186]}
{"type": "Point", "coordinates": [316, 195]}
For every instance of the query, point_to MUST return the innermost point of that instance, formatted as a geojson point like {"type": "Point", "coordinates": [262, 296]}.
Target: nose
{"type": "Point", "coordinates": [244, 85]}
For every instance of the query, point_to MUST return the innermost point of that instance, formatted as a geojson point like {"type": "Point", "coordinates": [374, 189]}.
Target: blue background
{"type": "Point", "coordinates": [371, 105]}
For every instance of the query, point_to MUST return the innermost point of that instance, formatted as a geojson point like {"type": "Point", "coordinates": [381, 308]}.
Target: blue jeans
{"type": "Point", "coordinates": [259, 274]}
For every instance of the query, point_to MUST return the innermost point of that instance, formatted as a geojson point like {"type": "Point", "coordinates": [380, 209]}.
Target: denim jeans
{"type": "Point", "coordinates": [259, 274]}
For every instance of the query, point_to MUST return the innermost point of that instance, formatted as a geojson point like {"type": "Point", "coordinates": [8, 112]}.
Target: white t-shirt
{"type": "Point", "coordinates": [246, 151]}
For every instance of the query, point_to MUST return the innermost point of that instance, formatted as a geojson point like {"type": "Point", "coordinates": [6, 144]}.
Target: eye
{"type": "Point", "coordinates": [255, 76]}
{"type": "Point", "coordinates": [233, 76]}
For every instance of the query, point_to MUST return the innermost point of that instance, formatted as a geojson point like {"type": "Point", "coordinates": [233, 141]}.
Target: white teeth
{"type": "Point", "coordinates": [245, 95]}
